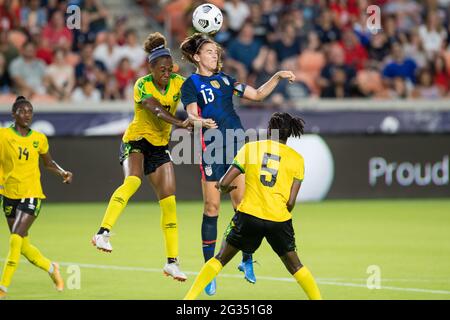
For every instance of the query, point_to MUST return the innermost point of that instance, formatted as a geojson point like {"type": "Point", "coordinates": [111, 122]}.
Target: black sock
{"type": "Point", "coordinates": [209, 236]}
{"type": "Point", "coordinates": [246, 256]}
{"type": "Point", "coordinates": [171, 260]}
{"type": "Point", "coordinates": [102, 230]}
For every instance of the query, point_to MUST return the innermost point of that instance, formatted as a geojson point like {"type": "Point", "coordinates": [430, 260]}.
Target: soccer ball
{"type": "Point", "coordinates": [207, 18]}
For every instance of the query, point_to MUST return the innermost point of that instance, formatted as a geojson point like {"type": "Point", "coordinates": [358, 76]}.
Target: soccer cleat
{"type": "Point", "coordinates": [2, 293]}
{"type": "Point", "coordinates": [56, 277]}
{"type": "Point", "coordinates": [101, 241]}
{"type": "Point", "coordinates": [210, 289]}
{"type": "Point", "coordinates": [247, 268]}
{"type": "Point", "coordinates": [173, 270]}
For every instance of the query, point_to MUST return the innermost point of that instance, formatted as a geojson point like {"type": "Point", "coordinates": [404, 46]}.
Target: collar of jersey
{"type": "Point", "coordinates": [17, 132]}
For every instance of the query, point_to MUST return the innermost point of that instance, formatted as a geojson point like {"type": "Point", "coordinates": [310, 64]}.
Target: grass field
{"type": "Point", "coordinates": [338, 240]}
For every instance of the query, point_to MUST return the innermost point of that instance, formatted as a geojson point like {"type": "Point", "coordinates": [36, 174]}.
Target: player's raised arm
{"type": "Point", "coordinates": [52, 166]}
{"type": "Point", "coordinates": [264, 90]}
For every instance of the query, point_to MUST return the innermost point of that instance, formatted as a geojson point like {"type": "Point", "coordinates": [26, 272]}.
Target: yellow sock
{"type": "Point", "coordinates": [34, 255]}
{"type": "Point", "coordinates": [15, 245]}
{"type": "Point", "coordinates": [119, 201]}
{"type": "Point", "coordinates": [169, 225]}
{"type": "Point", "coordinates": [307, 282]}
{"type": "Point", "coordinates": [209, 271]}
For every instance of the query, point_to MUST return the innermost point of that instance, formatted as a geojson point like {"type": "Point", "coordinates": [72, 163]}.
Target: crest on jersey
{"type": "Point", "coordinates": [176, 97]}
{"type": "Point", "coordinates": [225, 79]}
{"type": "Point", "coordinates": [35, 144]}
{"type": "Point", "coordinates": [215, 84]}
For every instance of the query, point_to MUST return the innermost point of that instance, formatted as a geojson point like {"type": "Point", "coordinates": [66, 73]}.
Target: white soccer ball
{"type": "Point", "coordinates": [207, 18]}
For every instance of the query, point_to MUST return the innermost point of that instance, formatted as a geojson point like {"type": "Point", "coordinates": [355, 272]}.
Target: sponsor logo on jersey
{"type": "Point", "coordinates": [215, 84]}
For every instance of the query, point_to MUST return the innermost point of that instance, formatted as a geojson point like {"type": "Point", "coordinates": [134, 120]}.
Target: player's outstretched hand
{"type": "Point", "coordinates": [286, 75]}
{"type": "Point", "coordinates": [209, 124]}
{"type": "Point", "coordinates": [225, 189]}
{"type": "Point", "coordinates": [67, 176]}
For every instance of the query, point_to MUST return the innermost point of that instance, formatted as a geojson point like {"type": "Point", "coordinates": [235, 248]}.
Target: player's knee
{"type": "Point", "coordinates": [211, 208]}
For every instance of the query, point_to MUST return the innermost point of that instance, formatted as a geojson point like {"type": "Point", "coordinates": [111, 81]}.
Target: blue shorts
{"type": "Point", "coordinates": [216, 163]}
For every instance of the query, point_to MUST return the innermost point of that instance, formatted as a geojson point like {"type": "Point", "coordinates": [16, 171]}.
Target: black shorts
{"type": "Point", "coordinates": [31, 206]}
{"type": "Point", "coordinates": [154, 156]}
{"type": "Point", "coordinates": [246, 233]}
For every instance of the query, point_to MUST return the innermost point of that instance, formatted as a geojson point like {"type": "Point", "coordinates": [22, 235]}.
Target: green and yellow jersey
{"type": "Point", "coordinates": [20, 163]}
{"type": "Point", "coordinates": [1, 175]}
{"type": "Point", "coordinates": [270, 168]}
{"type": "Point", "coordinates": [145, 124]}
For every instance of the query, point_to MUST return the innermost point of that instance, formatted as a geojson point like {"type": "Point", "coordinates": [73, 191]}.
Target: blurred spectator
{"type": "Point", "coordinates": [259, 26]}
{"type": "Point", "coordinates": [432, 35]}
{"type": "Point", "coordinates": [425, 88]}
{"type": "Point", "coordinates": [56, 32]}
{"type": "Point", "coordinates": [309, 64]}
{"type": "Point", "coordinates": [9, 14]}
{"type": "Point", "coordinates": [33, 17]}
{"type": "Point", "coordinates": [28, 72]}
{"type": "Point", "coordinates": [326, 28]}
{"type": "Point", "coordinates": [406, 13]}
{"type": "Point", "coordinates": [9, 51]}
{"type": "Point", "coordinates": [97, 15]}
{"type": "Point", "coordinates": [399, 66]}
{"type": "Point", "coordinates": [109, 52]}
{"type": "Point", "coordinates": [355, 54]}
{"type": "Point", "coordinates": [120, 29]}
{"type": "Point", "coordinates": [60, 76]}
{"type": "Point", "coordinates": [87, 92]}
{"type": "Point", "coordinates": [44, 50]}
{"type": "Point", "coordinates": [269, 19]}
{"type": "Point", "coordinates": [125, 77]}
{"type": "Point", "coordinates": [5, 81]}
{"type": "Point", "coordinates": [239, 11]}
{"type": "Point", "coordinates": [398, 89]}
{"type": "Point", "coordinates": [339, 87]}
{"type": "Point", "coordinates": [336, 60]}
{"type": "Point", "coordinates": [344, 12]}
{"type": "Point", "coordinates": [133, 50]}
{"type": "Point", "coordinates": [378, 47]}
{"type": "Point", "coordinates": [245, 54]}
{"type": "Point", "coordinates": [441, 75]}
{"type": "Point", "coordinates": [84, 34]}
{"type": "Point", "coordinates": [413, 48]}
{"type": "Point", "coordinates": [91, 69]}
{"type": "Point", "coordinates": [288, 45]}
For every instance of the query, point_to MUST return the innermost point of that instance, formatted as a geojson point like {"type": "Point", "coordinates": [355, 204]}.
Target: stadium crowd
{"type": "Point", "coordinates": [327, 43]}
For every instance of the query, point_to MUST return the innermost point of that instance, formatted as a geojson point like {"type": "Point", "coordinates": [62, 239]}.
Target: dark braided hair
{"type": "Point", "coordinates": [20, 101]}
{"type": "Point", "coordinates": [286, 125]}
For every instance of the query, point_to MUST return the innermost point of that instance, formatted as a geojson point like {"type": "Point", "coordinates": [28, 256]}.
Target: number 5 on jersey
{"type": "Point", "coordinates": [271, 171]}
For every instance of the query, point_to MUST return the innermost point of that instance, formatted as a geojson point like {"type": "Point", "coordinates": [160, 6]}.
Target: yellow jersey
{"type": "Point", "coordinates": [145, 124]}
{"type": "Point", "coordinates": [1, 175]}
{"type": "Point", "coordinates": [20, 163]}
{"type": "Point", "coordinates": [270, 168]}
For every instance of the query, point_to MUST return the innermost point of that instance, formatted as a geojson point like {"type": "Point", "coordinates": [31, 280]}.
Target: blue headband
{"type": "Point", "coordinates": [158, 52]}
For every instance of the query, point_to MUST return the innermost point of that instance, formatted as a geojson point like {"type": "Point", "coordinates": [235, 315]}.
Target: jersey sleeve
{"type": "Point", "coordinates": [188, 93]}
{"type": "Point", "coordinates": [139, 91]}
{"type": "Point", "coordinates": [43, 146]}
{"type": "Point", "coordinates": [240, 159]}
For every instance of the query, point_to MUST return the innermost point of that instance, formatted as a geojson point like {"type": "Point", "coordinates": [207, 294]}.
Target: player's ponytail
{"type": "Point", "coordinates": [286, 125]}
{"type": "Point", "coordinates": [192, 45]}
{"type": "Point", "coordinates": [20, 100]}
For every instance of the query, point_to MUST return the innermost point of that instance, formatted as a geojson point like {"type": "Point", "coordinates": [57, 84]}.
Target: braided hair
{"type": "Point", "coordinates": [286, 125]}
